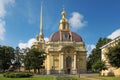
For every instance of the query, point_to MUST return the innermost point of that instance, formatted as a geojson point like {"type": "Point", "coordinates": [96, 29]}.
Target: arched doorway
{"type": "Point", "coordinates": [68, 64]}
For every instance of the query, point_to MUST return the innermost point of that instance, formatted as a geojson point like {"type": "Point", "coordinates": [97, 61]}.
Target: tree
{"type": "Point", "coordinates": [27, 61]}
{"type": "Point", "coordinates": [95, 57]}
{"type": "Point", "coordinates": [35, 59]}
{"type": "Point", "coordinates": [6, 57]}
{"type": "Point", "coordinates": [114, 55]}
{"type": "Point", "coordinates": [18, 58]}
{"type": "Point", "coordinates": [1, 59]}
{"type": "Point", "coordinates": [99, 65]}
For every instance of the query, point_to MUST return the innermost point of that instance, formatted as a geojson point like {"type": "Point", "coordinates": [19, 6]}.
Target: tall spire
{"type": "Point", "coordinates": [41, 23]}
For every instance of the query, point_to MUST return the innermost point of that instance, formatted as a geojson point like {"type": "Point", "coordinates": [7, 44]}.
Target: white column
{"type": "Point", "coordinates": [75, 61]}
{"type": "Point", "coordinates": [48, 64]}
{"type": "Point", "coordinates": [74, 69]}
{"type": "Point", "coordinates": [62, 63]}
{"type": "Point", "coordinates": [52, 61]}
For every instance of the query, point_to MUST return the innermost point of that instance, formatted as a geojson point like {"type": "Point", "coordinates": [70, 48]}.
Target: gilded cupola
{"type": "Point", "coordinates": [64, 25]}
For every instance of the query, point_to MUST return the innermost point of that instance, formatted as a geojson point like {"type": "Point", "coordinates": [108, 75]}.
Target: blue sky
{"type": "Point", "coordinates": [91, 19]}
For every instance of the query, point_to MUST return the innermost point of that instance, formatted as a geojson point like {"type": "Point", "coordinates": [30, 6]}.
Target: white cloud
{"type": "Point", "coordinates": [46, 39]}
{"type": "Point", "coordinates": [27, 45]}
{"type": "Point", "coordinates": [30, 43]}
{"type": "Point", "coordinates": [2, 29]}
{"type": "Point", "coordinates": [3, 4]}
{"type": "Point", "coordinates": [76, 21]}
{"type": "Point", "coordinates": [90, 47]}
{"type": "Point", "coordinates": [115, 34]}
{"type": "Point", "coordinates": [3, 11]}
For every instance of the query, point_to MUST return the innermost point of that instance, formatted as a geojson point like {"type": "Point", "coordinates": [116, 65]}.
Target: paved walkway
{"type": "Point", "coordinates": [1, 74]}
{"type": "Point", "coordinates": [85, 76]}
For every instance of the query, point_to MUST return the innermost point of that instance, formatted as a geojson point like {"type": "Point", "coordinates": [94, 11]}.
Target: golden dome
{"type": "Point", "coordinates": [63, 13]}
{"type": "Point", "coordinates": [63, 20]}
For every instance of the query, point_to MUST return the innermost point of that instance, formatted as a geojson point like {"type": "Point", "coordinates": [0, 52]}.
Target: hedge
{"type": "Point", "coordinates": [17, 74]}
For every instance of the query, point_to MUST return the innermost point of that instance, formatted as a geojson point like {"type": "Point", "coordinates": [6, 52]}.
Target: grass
{"type": "Point", "coordinates": [52, 77]}
{"type": "Point", "coordinates": [105, 77]}
{"type": "Point", "coordinates": [41, 77]}
{"type": "Point", "coordinates": [32, 78]}
{"type": "Point", "coordinates": [71, 77]}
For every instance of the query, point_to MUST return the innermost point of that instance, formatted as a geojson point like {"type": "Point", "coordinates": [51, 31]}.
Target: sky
{"type": "Point", "coordinates": [91, 19]}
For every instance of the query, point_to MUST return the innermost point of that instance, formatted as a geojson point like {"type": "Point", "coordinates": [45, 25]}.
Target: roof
{"type": "Point", "coordinates": [114, 40]}
{"type": "Point", "coordinates": [56, 37]}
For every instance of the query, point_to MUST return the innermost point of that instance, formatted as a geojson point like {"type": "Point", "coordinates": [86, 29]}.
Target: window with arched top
{"type": "Point", "coordinates": [68, 62]}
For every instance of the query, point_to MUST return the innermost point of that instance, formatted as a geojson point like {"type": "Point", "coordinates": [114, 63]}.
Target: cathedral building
{"type": "Point", "coordinates": [66, 52]}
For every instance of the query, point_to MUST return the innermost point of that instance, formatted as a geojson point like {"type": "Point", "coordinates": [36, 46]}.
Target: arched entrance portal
{"type": "Point", "coordinates": [68, 52]}
{"type": "Point", "coordinates": [68, 64]}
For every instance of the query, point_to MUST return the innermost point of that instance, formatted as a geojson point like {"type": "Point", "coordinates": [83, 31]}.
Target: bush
{"type": "Point", "coordinates": [65, 78]}
{"type": "Point", "coordinates": [17, 75]}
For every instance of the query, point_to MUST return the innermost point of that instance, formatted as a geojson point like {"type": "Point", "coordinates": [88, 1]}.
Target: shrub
{"type": "Point", "coordinates": [65, 78]}
{"type": "Point", "coordinates": [17, 75]}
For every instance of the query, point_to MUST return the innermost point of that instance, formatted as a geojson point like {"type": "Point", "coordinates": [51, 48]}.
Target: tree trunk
{"type": "Point", "coordinates": [29, 69]}
{"type": "Point", "coordinates": [19, 69]}
{"type": "Point", "coordinates": [34, 70]}
{"type": "Point", "coordinates": [38, 71]}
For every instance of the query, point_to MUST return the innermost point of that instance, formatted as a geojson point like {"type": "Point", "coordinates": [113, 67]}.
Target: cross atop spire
{"type": "Point", "coordinates": [63, 8]}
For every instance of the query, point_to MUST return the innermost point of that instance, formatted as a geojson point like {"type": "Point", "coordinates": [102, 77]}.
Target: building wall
{"type": "Point", "coordinates": [104, 49]}
{"type": "Point", "coordinates": [53, 62]}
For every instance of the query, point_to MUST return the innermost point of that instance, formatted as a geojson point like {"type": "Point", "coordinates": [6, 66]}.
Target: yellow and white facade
{"type": "Point", "coordinates": [66, 52]}
{"type": "Point", "coordinates": [104, 49]}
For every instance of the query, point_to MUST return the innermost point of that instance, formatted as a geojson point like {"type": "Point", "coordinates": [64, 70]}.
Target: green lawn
{"type": "Point", "coordinates": [51, 77]}
{"type": "Point", "coordinates": [32, 78]}
{"type": "Point", "coordinates": [105, 78]}
{"type": "Point", "coordinates": [46, 77]}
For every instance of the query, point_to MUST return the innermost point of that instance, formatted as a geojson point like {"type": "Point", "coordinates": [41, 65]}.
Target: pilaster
{"type": "Point", "coordinates": [75, 69]}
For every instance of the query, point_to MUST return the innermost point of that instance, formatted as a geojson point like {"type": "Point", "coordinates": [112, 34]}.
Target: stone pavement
{"type": "Point", "coordinates": [85, 76]}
